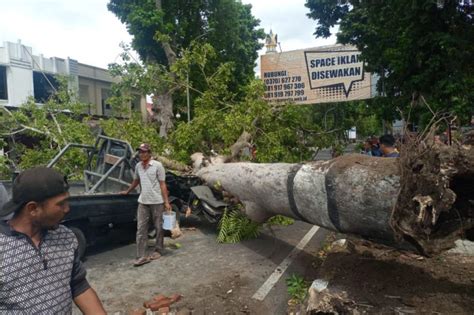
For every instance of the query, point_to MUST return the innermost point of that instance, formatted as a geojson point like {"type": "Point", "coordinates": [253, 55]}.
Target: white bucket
{"type": "Point", "coordinates": [169, 220]}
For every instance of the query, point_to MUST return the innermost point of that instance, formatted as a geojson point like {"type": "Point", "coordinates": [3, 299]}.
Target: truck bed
{"type": "Point", "coordinates": [102, 208]}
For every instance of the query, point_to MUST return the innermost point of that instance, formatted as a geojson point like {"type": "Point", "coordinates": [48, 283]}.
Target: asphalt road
{"type": "Point", "coordinates": [212, 277]}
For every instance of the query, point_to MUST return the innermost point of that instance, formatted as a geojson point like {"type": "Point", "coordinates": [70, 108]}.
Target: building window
{"type": "Point", "coordinates": [3, 83]}
{"type": "Point", "coordinates": [44, 85]}
{"type": "Point", "coordinates": [106, 108]}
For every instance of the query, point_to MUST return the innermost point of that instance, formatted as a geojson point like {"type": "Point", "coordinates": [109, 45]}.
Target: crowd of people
{"type": "Point", "coordinates": [385, 146]}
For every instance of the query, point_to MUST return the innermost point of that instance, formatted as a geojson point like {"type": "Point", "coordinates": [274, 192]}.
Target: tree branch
{"type": "Point", "coordinates": [170, 54]}
{"type": "Point", "coordinates": [25, 128]}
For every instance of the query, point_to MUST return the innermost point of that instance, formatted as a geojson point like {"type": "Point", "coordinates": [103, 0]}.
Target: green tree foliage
{"type": "Point", "coordinates": [142, 77]}
{"type": "Point", "coordinates": [280, 220]}
{"type": "Point", "coordinates": [227, 25]}
{"type": "Point", "coordinates": [217, 125]}
{"type": "Point", "coordinates": [134, 131]}
{"type": "Point", "coordinates": [419, 47]}
{"type": "Point", "coordinates": [282, 133]}
{"type": "Point", "coordinates": [35, 134]}
{"type": "Point", "coordinates": [234, 227]}
{"type": "Point", "coordinates": [44, 130]}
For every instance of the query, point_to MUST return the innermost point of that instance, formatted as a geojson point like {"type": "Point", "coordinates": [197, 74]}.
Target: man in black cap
{"type": "Point", "coordinates": [40, 270]}
{"type": "Point", "coordinates": [153, 199]}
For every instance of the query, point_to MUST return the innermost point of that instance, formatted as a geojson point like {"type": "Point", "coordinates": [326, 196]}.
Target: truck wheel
{"type": "Point", "coordinates": [81, 239]}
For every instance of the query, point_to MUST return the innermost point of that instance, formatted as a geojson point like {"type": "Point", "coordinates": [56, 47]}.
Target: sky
{"type": "Point", "coordinates": [86, 31]}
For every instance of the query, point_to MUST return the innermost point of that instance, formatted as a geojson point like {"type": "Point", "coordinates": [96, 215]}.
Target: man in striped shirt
{"type": "Point", "coordinates": [153, 199]}
{"type": "Point", "coordinates": [40, 271]}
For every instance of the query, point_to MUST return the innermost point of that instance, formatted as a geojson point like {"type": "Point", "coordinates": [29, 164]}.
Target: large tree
{"type": "Point", "coordinates": [414, 202]}
{"type": "Point", "coordinates": [162, 30]}
{"type": "Point", "coordinates": [419, 47]}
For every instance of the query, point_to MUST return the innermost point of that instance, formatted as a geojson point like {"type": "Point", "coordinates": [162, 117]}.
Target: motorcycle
{"type": "Point", "coordinates": [188, 193]}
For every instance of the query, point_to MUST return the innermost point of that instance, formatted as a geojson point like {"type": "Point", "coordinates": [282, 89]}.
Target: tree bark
{"type": "Point", "coordinates": [164, 105]}
{"type": "Point", "coordinates": [173, 165]}
{"type": "Point", "coordinates": [164, 98]}
{"type": "Point", "coordinates": [170, 54]}
{"type": "Point", "coordinates": [239, 145]}
{"type": "Point", "coordinates": [359, 195]}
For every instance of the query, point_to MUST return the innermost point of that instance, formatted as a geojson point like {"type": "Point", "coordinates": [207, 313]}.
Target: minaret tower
{"type": "Point", "coordinates": [271, 42]}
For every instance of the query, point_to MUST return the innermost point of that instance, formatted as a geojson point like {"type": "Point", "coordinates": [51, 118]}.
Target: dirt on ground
{"type": "Point", "coordinates": [367, 278]}
{"type": "Point", "coordinates": [227, 296]}
{"type": "Point", "coordinates": [373, 279]}
{"type": "Point", "coordinates": [212, 278]}
{"type": "Point", "coordinates": [363, 278]}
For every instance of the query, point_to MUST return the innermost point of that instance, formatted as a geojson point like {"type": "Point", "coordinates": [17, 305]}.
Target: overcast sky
{"type": "Point", "coordinates": [85, 30]}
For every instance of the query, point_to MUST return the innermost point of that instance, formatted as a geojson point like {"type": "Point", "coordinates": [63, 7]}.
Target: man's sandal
{"type": "Point", "coordinates": [140, 261]}
{"type": "Point", "coordinates": [154, 256]}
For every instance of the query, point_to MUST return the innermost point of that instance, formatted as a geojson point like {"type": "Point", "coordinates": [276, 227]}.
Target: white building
{"type": "Point", "coordinates": [23, 74]}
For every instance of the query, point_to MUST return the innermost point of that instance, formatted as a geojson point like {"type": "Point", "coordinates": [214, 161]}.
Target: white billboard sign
{"type": "Point", "coordinates": [318, 75]}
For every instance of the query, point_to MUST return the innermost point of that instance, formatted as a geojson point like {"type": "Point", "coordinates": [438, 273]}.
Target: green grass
{"type": "Point", "coordinates": [297, 287]}
{"type": "Point", "coordinates": [280, 220]}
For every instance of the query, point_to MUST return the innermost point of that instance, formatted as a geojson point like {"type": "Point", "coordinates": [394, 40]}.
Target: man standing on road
{"type": "Point", "coordinates": [40, 270]}
{"type": "Point", "coordinates": [153, 199]}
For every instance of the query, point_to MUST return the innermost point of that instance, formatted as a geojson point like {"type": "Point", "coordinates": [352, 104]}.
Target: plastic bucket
{"type": "Point", "coordinates": [169, 220]}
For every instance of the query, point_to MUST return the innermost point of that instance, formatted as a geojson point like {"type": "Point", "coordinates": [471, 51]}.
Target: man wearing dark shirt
{"type": "Point", "coordinates": [40, 271]}
{"type": "Point", "coordinates": [387, 146]}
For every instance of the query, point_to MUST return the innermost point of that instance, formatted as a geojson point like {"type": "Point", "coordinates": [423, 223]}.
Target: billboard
{"type": "Point", "coordinates": [317, 75]}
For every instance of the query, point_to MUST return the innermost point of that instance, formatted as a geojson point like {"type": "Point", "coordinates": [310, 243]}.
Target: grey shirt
{"type": "Point", "coordinates": [150, 178]}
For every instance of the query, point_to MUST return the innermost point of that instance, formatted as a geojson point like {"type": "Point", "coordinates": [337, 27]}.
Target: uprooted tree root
{"type": "Point", "coordinates": [435, 205]}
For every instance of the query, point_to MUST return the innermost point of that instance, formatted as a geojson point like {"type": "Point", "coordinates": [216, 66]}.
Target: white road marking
{"type": "Point", "coordinates": [280, 270]}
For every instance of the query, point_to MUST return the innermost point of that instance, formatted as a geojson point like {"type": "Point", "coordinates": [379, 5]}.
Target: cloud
{"type": "Point", "coordinates": [288, 19]}
{"type": "Point", "coordinates": [83, 30]}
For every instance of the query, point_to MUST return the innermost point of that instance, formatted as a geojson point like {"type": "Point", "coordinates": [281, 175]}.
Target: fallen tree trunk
{"type": "Point", "coordinates": [423, 204]}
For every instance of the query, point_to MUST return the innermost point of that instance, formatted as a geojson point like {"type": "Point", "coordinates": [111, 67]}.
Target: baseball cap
{"type": "Point", "coordinates": [144, 147]}
{"type": "Point", "coordinates": [35, 184]}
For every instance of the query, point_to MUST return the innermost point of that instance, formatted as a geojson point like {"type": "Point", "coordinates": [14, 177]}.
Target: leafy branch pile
{"type": "Point", "coordinates": [35, 134]}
